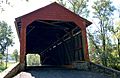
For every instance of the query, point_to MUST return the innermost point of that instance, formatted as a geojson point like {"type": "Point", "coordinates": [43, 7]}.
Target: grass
{"type": "Point", "coordinates": [3, 66]}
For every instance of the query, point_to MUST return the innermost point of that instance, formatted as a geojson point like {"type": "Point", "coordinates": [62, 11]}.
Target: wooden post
{"type": "Point", "coordinates": [85, 44]}
{"type": "Point", "coordinates": [22, 45]}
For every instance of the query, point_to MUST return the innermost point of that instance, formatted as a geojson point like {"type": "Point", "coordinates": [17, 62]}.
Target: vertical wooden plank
{"type": "Point", "coordinates": [72, 42]}
{"type": "Point", "coordinates": [59, 54]}
{"type": "Point", "coordinates": [85, 44]}
{"type": "Point", "coordinates": [77, 47]}
{"type": "Point", "coordinates": [81, 52]}
{"type": "Point", "coordinates": [22, 45]}
{"type": "Point", "coordinates": [66, 56]}
{"type": "Point", "coordinates": [69, 48]}
{"type": "Point", "coordinates": [62, 54]}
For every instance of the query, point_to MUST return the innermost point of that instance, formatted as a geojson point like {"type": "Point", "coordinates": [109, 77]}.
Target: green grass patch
{"type": "Point", "coordinates": [3, 65]}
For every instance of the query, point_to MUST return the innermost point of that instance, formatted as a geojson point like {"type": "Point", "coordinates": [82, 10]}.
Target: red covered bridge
{"type": "Point", "coordinates": [53, 26]}
{"type": "Point", "coordinates": [59, 37]}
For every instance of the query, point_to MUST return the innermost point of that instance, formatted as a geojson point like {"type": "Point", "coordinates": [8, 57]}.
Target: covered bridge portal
{"type": "Point", "coordinates": [57, 42]}
{"type": "Point", "coordinates": [55, 33]}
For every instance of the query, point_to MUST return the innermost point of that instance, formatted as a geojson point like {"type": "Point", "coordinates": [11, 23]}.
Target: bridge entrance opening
{"type": "Point", "coordinates": [58, 42]}
{"type": "Point", "coordinates": [33, 60]}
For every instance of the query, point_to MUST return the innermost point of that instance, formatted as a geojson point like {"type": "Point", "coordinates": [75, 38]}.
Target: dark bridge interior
{"type": "Point", "coordinates": [57, 42]}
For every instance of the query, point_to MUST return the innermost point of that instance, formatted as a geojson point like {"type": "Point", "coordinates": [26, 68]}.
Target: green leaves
{"type": "Point", "coordinates": [117, 30]}
{"type": "Point", "coordinates": [6, 36]}
{"type": "Point", "coordinates": [15, 55]}
{"type": "Point", "coordinates": [62, 2]}
{"type": "Point", "coordinates": [77, 6]}
{"type": "Point", "coordinates": [103, 10]}
{"type": "Point", "coordinates": [1, 56]}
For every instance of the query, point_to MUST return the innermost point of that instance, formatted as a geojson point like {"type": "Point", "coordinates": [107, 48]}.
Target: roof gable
{"type": "Point", "coordinates": [54, 10]}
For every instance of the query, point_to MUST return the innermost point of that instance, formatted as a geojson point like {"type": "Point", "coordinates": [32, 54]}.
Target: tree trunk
{"type": "Point", "coordinates": [104, 47]}
{"type": "Point", "coordinates": [6, 58]}
{"type": "Point", "coordinates": [119, 47]}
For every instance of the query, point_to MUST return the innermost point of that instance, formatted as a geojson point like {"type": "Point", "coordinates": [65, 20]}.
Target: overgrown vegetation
{"type": "Point", "coordinates": [2, 67]}
{"type": "Point", "coordinates": [6, 40]}
{"type": "Point", "coordinates": [103, 49]}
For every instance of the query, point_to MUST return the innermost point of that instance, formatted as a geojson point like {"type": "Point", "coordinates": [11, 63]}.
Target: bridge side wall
{"type": "Point", "coordinates": [92, 67]}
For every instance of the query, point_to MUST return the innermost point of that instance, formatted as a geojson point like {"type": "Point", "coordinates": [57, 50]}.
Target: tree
{"type": "Point", "coordinates": [77, 6]}
{"type": "Point", "coordinates": [15, 55]}
{"type": "Point", "coordinates": [94, 49]}
{"type": "Point", "coordinates": [116, 35]}
{"type": "Point", "coordinates": [5, 2]}
{"type": "Point", "coordinates": [62, 2]}
{"type": "Point", "coordinates": [1, 56]}
{"type": "Point", "coordinates": [103, 10]}
{"type": "Point", "coordinates": [6, 36]}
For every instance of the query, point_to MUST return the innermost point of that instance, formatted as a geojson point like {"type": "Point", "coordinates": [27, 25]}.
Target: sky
{"type": "Point", "coordinates": [20, 7]}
